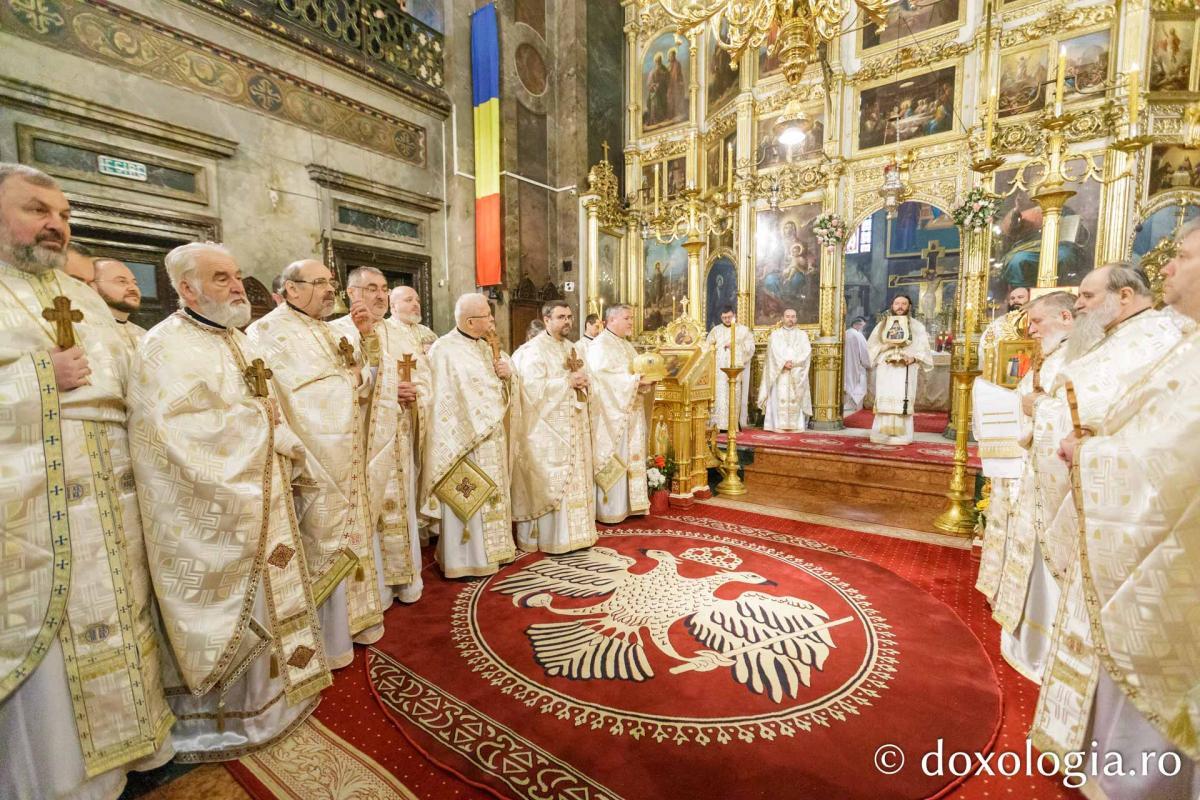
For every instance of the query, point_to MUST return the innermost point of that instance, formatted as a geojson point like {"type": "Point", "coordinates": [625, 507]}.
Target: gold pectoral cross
{"type": "Point", "coordinates": [347, 351]}
{"type": "Point", "coordinates": [573, 364]}
{"type": "Point", "coordinates": [257, 375]}
{"type": "Point", "coordinates": [62, 315]}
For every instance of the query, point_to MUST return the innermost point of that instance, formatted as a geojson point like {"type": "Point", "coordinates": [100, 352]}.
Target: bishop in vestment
{"type": "Point", "coordinates": [784, 394]}
{"type": "Point", "coordinates": [620, 410]}
{"type": "Point", "coordinates": [466, 445]}
{"type": "Point", "coordinates": [553, 499]}
{"type": "Point", "coordinates": [329, 400]}
{"type": "Point", "coordinates": [731, 341]}
{"type": "Point", "coordinates": [856, 362]}
{"type": "Point", "coordinates": [897, 364]}
{"type": "Point", "coordinates": [1121, 337]}
{"type": "Point", "coordinates": [81, 693]}
{"type": "Point", "coordinates": [214, 461]}
{"type": "Point", "coordinates": [391, 495]}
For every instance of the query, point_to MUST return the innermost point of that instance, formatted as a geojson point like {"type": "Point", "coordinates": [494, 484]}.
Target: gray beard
{"type": "Point", "coordinates": [33, 258]}
{"type": "Point", "coordinates": [1091, 326]}
{"type": "Point", "coordinates": [225, 314]}
{"type": "Point", "coordinates": [1051, 342]}
{"type": "Point", "coordinates": [407, 319]}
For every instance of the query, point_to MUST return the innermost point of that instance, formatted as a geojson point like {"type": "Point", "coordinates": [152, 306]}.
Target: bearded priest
{"type": "Point", "coordinates": [784, 395]}
{"type": "Point", "coordinates": [81, 694]}
{"type": "Point", "coordinates": [897, 355]}
{"type": "Point", "coordinates": [466, 444]}
{"type": "Point", "coordinates": [731, 341]}
{"type": "Point", "coordinates": [553, 499]}
{"type": "Point", "coordinates": [214, 462]}
{"type": "Point", "coordinates": [329, 398]}
{"type": "Point", "coordinates": [620, 410]}
{"type": "Point", "coordinates": [1117, 338]}
{"type": "Point", "coordinates": [391, 495]}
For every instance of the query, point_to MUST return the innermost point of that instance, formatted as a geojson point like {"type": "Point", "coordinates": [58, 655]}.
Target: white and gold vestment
{"type": "Point", "coordinates": [466, 457]}
{"type": "Point", "coordinates": [619, 421]}
{"type": "Point", "coordinates": [553, 494]}
{"type": "Point", "coordinates": [329, 402]}
{"type": "Point", "coordinates": [896, 384]}
{"type": "Point", "coordinates": [784, 394]}
{"type": "Point", "coordinates": [214, 471]}
{"type": "Point", "coordinates": [718, 339]}
{"type": "Point", "coordinates": [81, 695]}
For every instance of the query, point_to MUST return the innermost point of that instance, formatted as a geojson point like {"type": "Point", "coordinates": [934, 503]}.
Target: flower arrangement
{"type": "Point", "coordinates": [830, 230]}
{"type": "Point", "coordinates": [659, 470]}
{"type": "Point", "coordinates": [976, 211]}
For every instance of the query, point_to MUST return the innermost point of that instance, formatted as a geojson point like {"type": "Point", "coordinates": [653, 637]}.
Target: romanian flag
{"type": "Point", "coordinates": [485, 94]}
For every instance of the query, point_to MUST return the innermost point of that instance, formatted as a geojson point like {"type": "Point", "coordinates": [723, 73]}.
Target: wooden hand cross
{"type": "Point", "coordinates": [62, 315]}
{"type": "Point", "coordinates": [406, 366]}
{"type": "Point", "coordinates": [347, 351]}
{"type": "Point", "coordinates": [257, 375]}
{"type": "Point", "coordinates": [573, 364]}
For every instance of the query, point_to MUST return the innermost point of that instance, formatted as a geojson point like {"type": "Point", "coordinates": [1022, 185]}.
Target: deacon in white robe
{"type": "Point", "coordinates": [118, 288]}
{"type": "Point", "coordinates": [621, 406]}
{"type": "Point", "coordinates": [81, 693]}
{"type": "Point", "coordinates": [784, 393]}
{"type": "Point", "coordinates": [1002, 327]}
{"type": "Point", "coordinates": [897, 364]}
{"type": "Point", "coordinates": [214, 460]}
{"type": "Point", "coordinates": [592, 326]}
{"type": "Point", "coordinates": [1139, 557]}
{"type": "Point", "coordinates": [856, 361]}
{"type": "Point", "coordinates": [330, 400]}
{"type": "Point", "coordinates": [391, 485]}
{"type": "Point", "coordinates": [553, 494]}
{"type": "Point", "coordinates": [729, 332]}
{"type": "Point", "coordinates": [466, 445]}
{"type": "Point", "coordinates": [1114, 312]}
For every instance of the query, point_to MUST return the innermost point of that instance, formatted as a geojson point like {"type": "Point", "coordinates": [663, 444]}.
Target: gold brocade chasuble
{"type": "Point", "coordinates": [69, 516]}
{"type": "Point", "coordinates": [467, 438]}
{"type": "Point", "coordinates": [619, 419]}
{"type": "Point", "coordinates": [214, 479]}
{"type": "Point", "coordinates": [329, 411]}
{"type": "Point", "coordinates": [550, 437]}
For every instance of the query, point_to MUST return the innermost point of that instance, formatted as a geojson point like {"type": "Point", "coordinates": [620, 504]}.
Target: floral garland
{"type": "Point", "coordinates": [976, 211]}
{"type": "Point", "coordinates": [830, 230]}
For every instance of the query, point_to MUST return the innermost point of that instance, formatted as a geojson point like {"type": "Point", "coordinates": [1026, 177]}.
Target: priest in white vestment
{"type": "Point", "coordinates": [621, 406]}
{"type": "Point", "coordinates": [720, 338]}
{"type": "Point", "coordinates": [553, 494]}
{"type": "Point", "coordinates": [81, 692]}
{"type": "Point", "coordinates": [118, 288]}
{"type": "Point", "coordinates": [1114, 309]}
{"type": "Point", "coordinates": [466, 445]}
{"type": "Point", "coordinates": [391, 485]}
{"type": "Point", "coordinates": [897, 363]}
{"type": "Point", "coordinates": [1018, 298]}
{"type": "Point", "coordinates": [856, 361]}
{"type": "Point", "coordinates": [592, 326]}
{"type": "Point", "coordinates": [784, 394]}
{"type": "Point", "coordinates": [329, 398]}
{"type": "Point", "coordinates": [214, 461]}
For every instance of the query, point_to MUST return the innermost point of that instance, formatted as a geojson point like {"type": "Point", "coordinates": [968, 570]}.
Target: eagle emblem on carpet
{"type": "Point", "coordinates": [771, 644]}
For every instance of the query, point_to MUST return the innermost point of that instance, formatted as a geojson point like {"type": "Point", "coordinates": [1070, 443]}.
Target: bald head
{"type": "Point", "coordinates": [309, 286]}
{"type": "Point", "coordinates": [473, 315]}
{"type": "Point", "coordinates": [80, 265]}
{"type": "Point", "coordinates": [406, 304]}
{"type": "Point", "coordinates": [115, 283]}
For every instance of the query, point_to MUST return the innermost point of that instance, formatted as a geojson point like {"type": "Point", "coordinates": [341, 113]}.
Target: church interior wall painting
{"type": "Point", "coordinates": [1088, 64]}
{"type": "Point", "coordinates": [1022, 83]}
{"type": "Point", "coordinates": [720, 289]}
{"type": "Point", "coordinates": [665, 82]}
{"type": "Point", "coordinates": [722, 79]}
{"type": "Point", "coordinates": [916, 107]}
{"type": "Point", "coordinates": [787, 264]}
{"type": "Point", "coordinates": [1161, 224]}
{"type": "Point", "coordinates": [1173, 48]}
{"type": "Point", "coordinates": [1171, 167]}
{"type": "Point", "coordinates": [910, 19]}
{"type": "Point", "coordinates": [608, 267]}
{"type": "Point", "coordinates": [672, 175]}
{"type": "Point", "coordinates": [770, 153]}
{"type": "Point", "coordinates": [664, 282]}
{"type": "Point", "coordinates": [716, 161]}
{"type": "Point", "coordinates": [768, 59]}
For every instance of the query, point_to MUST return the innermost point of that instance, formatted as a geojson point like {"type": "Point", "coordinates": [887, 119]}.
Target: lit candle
{"type": "Point", "coordinates": [1134, 87]}
{"type": "Point", "coordinates": [729, 174]}
{"type": "Point", "coordinates": [1059, 80]}
{"type": "Point", "coordinates": [721, 172]}
{"type": "Point", "coordinates": [991, 123]}
{"type": "Point", "coordinates": [656, 182]}
{"type": "Point", "coordinates": [733, 342]}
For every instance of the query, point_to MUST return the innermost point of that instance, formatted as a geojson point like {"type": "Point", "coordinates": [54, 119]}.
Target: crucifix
{"type": "Point", "coordinates": [347, 351]}
{"type": "Point", "coordinates": [257, 375]}
{"type": "Point", "coordinates": [604, 147]}
{"type": "Point", "coordinates": [62, 315]}
{"type": "Point", "coordinates": [931, 276]}
{"type": "Point", "coordinates": [573, 364]}
{"type": "Point", "coordinates": [405, 366]}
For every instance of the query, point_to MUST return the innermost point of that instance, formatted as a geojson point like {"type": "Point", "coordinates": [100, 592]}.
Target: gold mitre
{"type": "Point", "coordinates": [651, 366]}
{"type": "Point", "coordinates": [719, 557]}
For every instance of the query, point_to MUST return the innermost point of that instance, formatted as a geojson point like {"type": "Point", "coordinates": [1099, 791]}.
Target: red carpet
{"type": "Point", "coordinates": [850, 445]}
{"type": "Point", "coordinates": [923, 421]}
{"type": "Point", "coordinates": [592, 699]}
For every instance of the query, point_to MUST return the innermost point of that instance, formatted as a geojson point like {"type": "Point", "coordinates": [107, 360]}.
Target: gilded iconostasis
{"type": "Point", "coordinates": [944, 85]}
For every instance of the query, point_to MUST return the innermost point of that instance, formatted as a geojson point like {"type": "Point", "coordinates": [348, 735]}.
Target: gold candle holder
{"type": "Point", "coordinates": [732, 484]}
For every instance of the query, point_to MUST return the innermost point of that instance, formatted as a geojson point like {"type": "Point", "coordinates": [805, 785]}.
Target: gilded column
{"type": "Point", "coordinates": [827, 349]}
{"type": "Point", "coordinates": [1052, 196]}
{"type": "Point", "coordinates": [591, 204]}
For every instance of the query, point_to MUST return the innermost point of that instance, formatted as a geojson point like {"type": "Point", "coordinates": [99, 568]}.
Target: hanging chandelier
{"type": "Point", "coordinates": [804, 25]}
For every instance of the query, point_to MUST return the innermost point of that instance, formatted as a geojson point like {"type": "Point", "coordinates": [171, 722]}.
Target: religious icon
{"type": "Point", "coordinates": [909, 18]}
{"type": "Point", "coordinates": [768, 59]}
{"type": "Point", "coordinates": [1172, 166]}
{"type": "Point", "coordinates": [1017, 357]}
{"type": "Point", "coordinates": [787, 265]}
{"type": "Point", "coordinates": [720, 291]}
{"type": "Point", "coordinates": [673, 176]}
{"type": "Point", "coordinates": [665, 81]}
{"type": "Point", "coordinates": [1023, 81]}
{"type": "Point", "coordinates": [1172, 44]}
{"type": "Point", "coordinates": [1087, 63]}
{"type": "Point", "coordinates": [664, 271]}
{"type": "Point", "coordinates": [716, 162]}
{"type": "Point", "coordinates": [609, 267]}
{"type": "Point", "coordinates": [771, 153]}
{"type": "Point", "coordinates": [895, 330]}
{"type": "Point", "coordinates": [922, 105]}
{"type": "Point", "coordinates": [722, 82]}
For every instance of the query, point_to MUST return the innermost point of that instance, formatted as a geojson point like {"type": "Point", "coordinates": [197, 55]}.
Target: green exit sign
{"type": "Point", "coordinates": [120, 168]}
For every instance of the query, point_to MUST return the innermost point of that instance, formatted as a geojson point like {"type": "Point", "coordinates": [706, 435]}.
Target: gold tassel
{"type": "Point", "coordinates": [360, 574]}
{"type": "Point", "coordinates": [221, 715]}
{"type": "Point", "coordinates": [466, 537]}
{"type": "Point", "coordinates": [274, 666]}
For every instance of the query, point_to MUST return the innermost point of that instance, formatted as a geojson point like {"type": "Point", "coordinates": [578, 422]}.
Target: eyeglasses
{"type": "Point", "coordinates": [480, 316]}
{"type": "Point", "coordinates": [320, 283]}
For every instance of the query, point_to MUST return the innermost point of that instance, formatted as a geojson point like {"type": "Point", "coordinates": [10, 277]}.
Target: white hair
{"type": "Point", "coordinates": [181, 264]}
{"type": "Point", "coordinates": [292, 271]}
{"type": "Point", "coordinates": [27, 173]}
{"type": "Point", "coordinates": [359, 274]}
{"type": "Point", "coordinates": [462, 306]}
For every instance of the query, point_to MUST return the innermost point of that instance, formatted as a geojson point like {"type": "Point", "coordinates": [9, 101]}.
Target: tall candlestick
{"type": "Point", "coordinates": [991, 123]}
{"type": "Point", "coordinates": [1134, 87]}
{"type": "Point", "coordinates": [656, 180]}
{"type": "Point", "coordinates": [733, 343]}
{"type": "Point", "coordinates": [1059, 80]}
{"type": "Point", "coordinates": [729, 174]}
